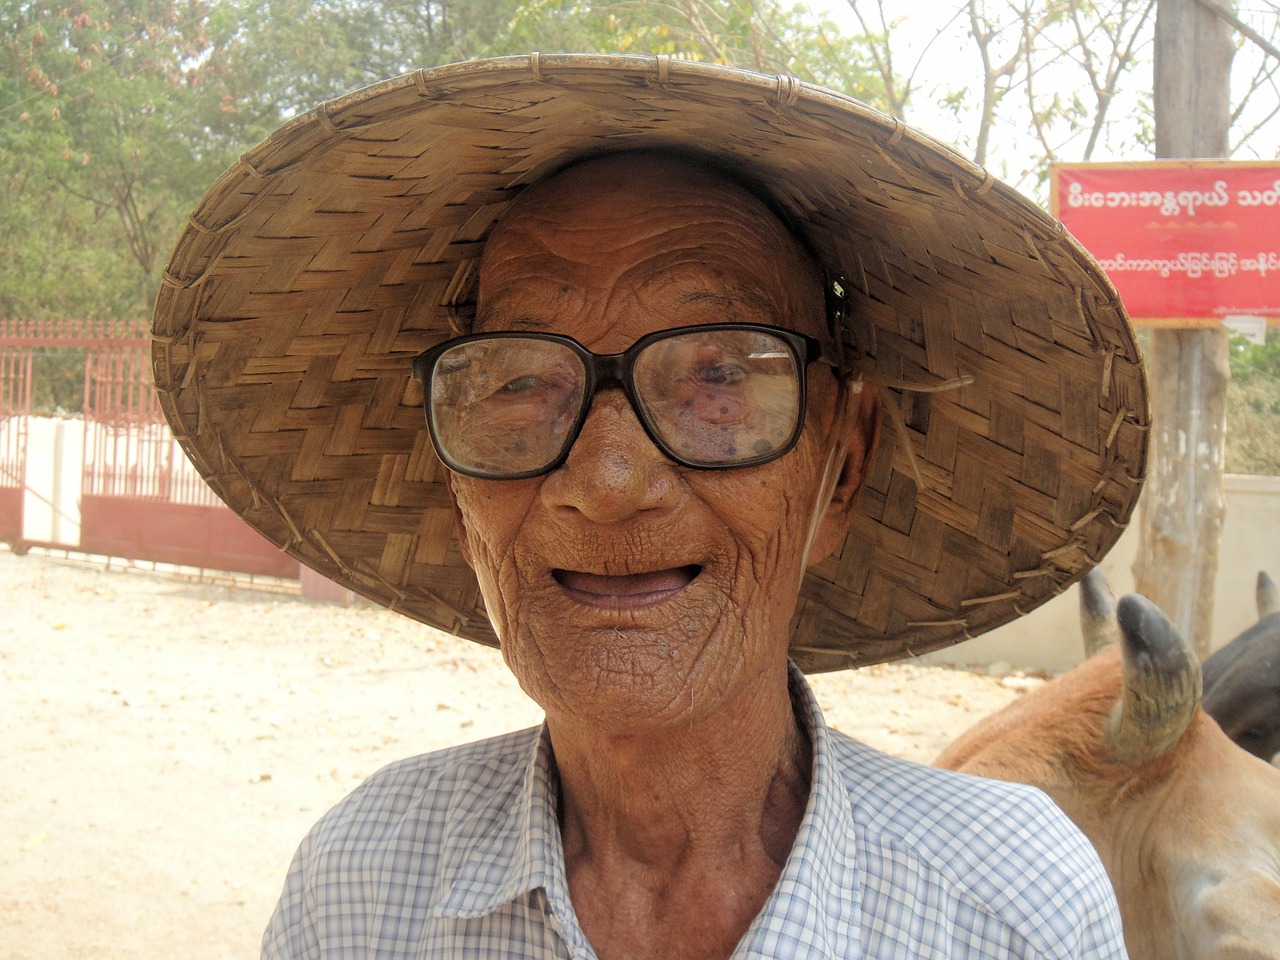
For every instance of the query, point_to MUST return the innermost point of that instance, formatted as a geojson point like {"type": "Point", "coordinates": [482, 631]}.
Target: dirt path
{"type": "Point", "coordinates": [167, 743]}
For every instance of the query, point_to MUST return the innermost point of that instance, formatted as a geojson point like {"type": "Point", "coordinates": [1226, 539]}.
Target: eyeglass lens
{"type": "Point", "coordinates": [511, 405]}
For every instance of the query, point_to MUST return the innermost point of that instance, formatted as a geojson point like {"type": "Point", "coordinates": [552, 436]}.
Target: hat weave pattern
{"type": "Point", "coordinates": [332, 253]}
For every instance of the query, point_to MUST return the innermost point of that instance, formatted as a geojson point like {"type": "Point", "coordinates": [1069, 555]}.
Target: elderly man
{"type": "Point", "coordinates": [658, 421]}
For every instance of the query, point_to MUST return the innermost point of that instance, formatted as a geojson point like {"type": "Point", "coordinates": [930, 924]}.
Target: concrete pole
{"type": "Point", "coordinates": [1184, 504]}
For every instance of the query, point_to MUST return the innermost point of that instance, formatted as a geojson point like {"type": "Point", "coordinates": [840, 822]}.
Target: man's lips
{"type": "Point", "coordinates": [628, 588]}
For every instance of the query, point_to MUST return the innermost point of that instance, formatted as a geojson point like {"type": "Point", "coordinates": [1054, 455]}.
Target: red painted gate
{"type": "Point", "coordinates": [15, 402]}
{"type": "Point", "coordinates": [140, 497]}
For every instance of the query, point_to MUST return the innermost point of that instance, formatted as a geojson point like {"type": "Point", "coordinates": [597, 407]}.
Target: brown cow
{"type": "Point", "coordinates": [1186, 823]}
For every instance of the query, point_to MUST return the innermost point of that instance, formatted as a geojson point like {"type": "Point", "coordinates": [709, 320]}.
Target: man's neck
{"type": "Point", "coordinates": [680, 834]}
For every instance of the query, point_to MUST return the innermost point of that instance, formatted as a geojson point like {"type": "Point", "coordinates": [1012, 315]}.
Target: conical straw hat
{"type": "Point", "coordinates": [335, 251]}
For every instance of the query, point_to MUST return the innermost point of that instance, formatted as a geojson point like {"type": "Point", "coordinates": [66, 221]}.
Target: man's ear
{"type": "Point", "coordinates": [459, 525]}
{"type": "Point", "coordinates": [863, 440]}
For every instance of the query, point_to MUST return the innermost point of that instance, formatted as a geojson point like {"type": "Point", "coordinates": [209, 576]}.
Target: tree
{"type": "Point", "coordinates": [1050, 69]}
{"type": "Point", "coordinates": [1104, 42]}
{"type": "Point", "coordinates": [1052, 79]}
{"type": "Point", "coordinates": [1253, 407]}
{"type": "Point", "coordinates": [115, 115]}
{"type": "Point", "coordinates": [762, 35]}
{"type": "Point", "coordinates": [99, 142]}
{"type": "Point", "coordinates": [285, 56]}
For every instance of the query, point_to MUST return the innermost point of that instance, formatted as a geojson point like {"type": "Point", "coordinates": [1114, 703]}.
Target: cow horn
{"type": "Point", "coordinates": [1097, 612]}
{"type": "Point", "coordinates": [1267, 596]}
{"type": "Point", "coordinates": [1162, 683]}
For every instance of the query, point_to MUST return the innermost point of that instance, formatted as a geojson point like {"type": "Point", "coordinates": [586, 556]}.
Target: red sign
{"type": "Point", "coordinates": [1186, 242]}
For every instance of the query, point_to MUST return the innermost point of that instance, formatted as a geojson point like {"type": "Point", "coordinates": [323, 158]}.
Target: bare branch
{"type": "Point", "coordinates": [1037, 118]}
{"type": "Point", "coordinates": [881, 49]}
{"type": "Point", "coordinates": [984, 33]}
{"type": "Point", "coordinates": [1261, 94]}
{"type": "Point", "coordinates": [877, 39]}
{"type": "Point", "coordinates": [1264, 77]}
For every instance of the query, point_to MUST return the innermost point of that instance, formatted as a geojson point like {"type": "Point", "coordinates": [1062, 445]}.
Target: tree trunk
{"type": "Point", "coordinates": [1184, 504]}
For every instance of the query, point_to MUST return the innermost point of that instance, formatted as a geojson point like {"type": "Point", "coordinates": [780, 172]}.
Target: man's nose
{"type": "Point", "coordinates": [614, 470]}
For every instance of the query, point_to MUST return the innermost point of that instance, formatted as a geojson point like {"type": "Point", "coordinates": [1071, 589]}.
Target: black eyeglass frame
{"type": "Point", "coordinates": [619, 368]}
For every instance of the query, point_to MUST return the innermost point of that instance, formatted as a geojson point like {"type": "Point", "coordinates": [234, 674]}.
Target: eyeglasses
{"type": "Point", "coordinates": [506, 406]}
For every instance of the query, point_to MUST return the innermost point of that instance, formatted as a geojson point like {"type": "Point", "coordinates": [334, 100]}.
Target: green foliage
{"type": "Point", "coordinates": [763, 35]}
{"type": "Point", "coordinates": [1256, 362]}
{"type": "Point", "coordinates": [57, 380]}
{"type": "Point", "coordinates": [116, 115]}
{"type": "Point", "coordinates": [285, 56]}
{"type": "Point", "coordinates": [1253, 407]}
{"type": "Point", "coordinates": [101, 136]}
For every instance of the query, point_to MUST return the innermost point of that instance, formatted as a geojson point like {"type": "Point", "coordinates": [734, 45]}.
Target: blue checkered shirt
{"type": "Point", "coordinates": [457, 854]}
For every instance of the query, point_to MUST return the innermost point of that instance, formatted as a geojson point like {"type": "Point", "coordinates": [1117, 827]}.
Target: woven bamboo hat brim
{"type": "Point", "coordinates": [332, 253]}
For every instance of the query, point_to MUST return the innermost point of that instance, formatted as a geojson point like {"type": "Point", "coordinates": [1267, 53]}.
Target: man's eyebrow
{"type": "Point", "coordinates": [511, 319]}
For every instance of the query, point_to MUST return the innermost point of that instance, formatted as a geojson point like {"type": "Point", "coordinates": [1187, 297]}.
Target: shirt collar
{"type": "Point", "coordinates": [814, 903]}
{"type": "Point", "coordinates": [522, 851]}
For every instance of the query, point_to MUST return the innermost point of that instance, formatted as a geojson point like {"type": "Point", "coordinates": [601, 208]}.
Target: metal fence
{"type": "Point", "coordinates": [139, 496]}
{"type": "Point", "coordinates": [15, 401]}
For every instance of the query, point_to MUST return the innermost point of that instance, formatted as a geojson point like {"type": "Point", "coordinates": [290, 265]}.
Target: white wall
{"type": "Point", "coordinates": [1049, 637]}
{"type": "Point", "coordinates": [55, 470]}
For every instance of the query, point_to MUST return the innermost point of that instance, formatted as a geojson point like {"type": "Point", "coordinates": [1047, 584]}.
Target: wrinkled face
{"type": "Point", "coordinates": [629, 591]}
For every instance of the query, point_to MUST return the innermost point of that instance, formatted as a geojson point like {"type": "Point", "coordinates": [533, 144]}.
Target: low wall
{"type": "Point", "coordinates": [185, 534]}
{"type": "Point", "coordinates": [1049, 637]}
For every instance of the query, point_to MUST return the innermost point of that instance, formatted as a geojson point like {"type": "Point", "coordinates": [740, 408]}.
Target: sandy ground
{"type": "Point", "coordinates": [165, 743]}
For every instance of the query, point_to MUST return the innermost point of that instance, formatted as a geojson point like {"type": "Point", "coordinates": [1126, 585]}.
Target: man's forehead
{"type": "Point", "coordinates": [604, 192]}
{"type": "Point", "coordinates": [606, 209]}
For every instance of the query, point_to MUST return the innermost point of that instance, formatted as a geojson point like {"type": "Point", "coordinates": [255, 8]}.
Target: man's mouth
{"type": "Point", "coordinates": [632, 589]}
